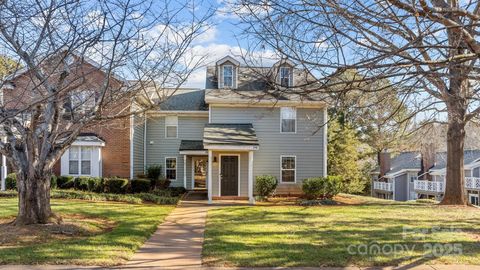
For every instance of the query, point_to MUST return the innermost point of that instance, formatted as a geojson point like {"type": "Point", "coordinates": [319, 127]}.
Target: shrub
{"type": "Point", "coordinates": [162, 192]}
{"type": "Point", "coordinates": [160, 183]}
{"type": "Point", "coordinates": [154, 172]}
{"type": "Point", "coordinates": [115, 185]}
{"type": "Point", "coordinates": [322, 187]}
{"type": "Point", "coordinates": [317, 202]}
{"type": "Point", "coordinates": [176, 191]}
{"type": "Point", "coordinates": [65, 181]}
{"type": "Point", "coordinates": [265, 185]}
{"type": "Point", "coordinates": [426, 201]}
{"type": "Point", "coordinates": [11, 181]}
{"type": "Point", "coordinates": [90, 196]}
{"type": "Point", "coordinates": [81, 183]}
{"type": "Point", "coordinates": [53, 182]}
{"type": "Point", "coordinates": [95, 184]}
{"type": "Point", "coordinates": [149, 197]}
{"type": "Point", "coordinates": [140, 185]}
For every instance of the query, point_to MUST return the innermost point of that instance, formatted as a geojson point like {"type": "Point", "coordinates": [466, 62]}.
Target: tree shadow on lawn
{"type": "Point", "coordinates": [111, 248]}
{"type": "Point", "coordinates": [246, 237]}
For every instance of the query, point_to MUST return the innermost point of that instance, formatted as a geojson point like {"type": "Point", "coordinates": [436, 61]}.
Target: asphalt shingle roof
{"type": "Point", "coordinates": [185, 101]}
{"type": "Point", "coordinates": [230, 134]}
{"type": "Point", "coordinates": [469, 156]}
{"type": "Point", "coordinates": [186, 145]}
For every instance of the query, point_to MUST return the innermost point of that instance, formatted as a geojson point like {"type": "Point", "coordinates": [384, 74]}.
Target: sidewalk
{"type": "Point", "coordinates": [177, 244]}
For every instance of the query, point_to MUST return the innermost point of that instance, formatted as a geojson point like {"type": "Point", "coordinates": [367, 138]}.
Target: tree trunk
{"type": "Point", "coordinates": [455, 177]}
{"type": "Point", "coordinates": [34, 199]}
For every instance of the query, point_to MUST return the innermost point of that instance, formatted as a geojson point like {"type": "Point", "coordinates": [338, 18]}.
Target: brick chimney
{"type": "Point", "coordinates": [384, 162]}
{"type": "Point", "coordinates": [428, 158]}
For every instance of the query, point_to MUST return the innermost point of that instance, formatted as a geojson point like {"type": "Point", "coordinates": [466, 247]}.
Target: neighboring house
{"type": "Point", "coordinates": [102, 150]}
{"type": "Point", "coordinates": [428, 183]}
{"type": "Point", "coordinates": [393, 179]}
{"type": "Point", "coordinates": [233, 131]}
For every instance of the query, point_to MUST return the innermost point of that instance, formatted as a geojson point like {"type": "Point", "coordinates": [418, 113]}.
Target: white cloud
{"type": "Point", "coordinates": [209, 34]}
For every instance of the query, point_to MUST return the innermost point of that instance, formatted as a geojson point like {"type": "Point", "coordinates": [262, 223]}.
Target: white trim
{"type": "Point", "coordinates": [144, 143]}
{"type": "Point", "coordinates": [281, 119]}
{"type": "Point", "coordinates": [400, 173]}
{"type": "Point", "coordinates": [470, 195]}
{"type": "Point", "coordinates": [185, 171]}
{"type": "Point", "coordinates": [227, 58]}
{"type": "Point", "coordinates": [223, 76]}
{"type": "Point", "coordinates": [176, 168]}
{"type": "Point", "coordinates": [236, 102]}
{"type": "Point", "coordinates": [132, 123]}
{"type": "Point", "coordinates": [231, 147]}
{"type": "Point", "coordinates": [290, 76]}
{"type": "Point", "coordinates": [220, 170]}
{"type": "Point", "coordinates": [209, 114]}
{"type": "Point", "coordinates": [194, 158]}
{"type": "Point", "coordinates": [325, 142]}
{"type": "Point", "coordinates": [194, 152]}
{"type": "Point", "coordinates": [183, 113]}
{"type": "Point", "coordinates": [83, 143]}
{"type": "Point", "coordinates": [281, 169]}
{"type": "Point", "coordinates": [209, 177]}
{"type": "Point", "coordinates": [251, 199]}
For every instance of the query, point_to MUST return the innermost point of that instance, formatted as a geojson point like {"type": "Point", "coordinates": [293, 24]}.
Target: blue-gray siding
{"type": "Point", "coordinates": [138, 145]}
{"type": "Point", "coordinates": [307, 144]}
{"type": "Point", "coordinates": [159, 147]}
{"type": "Point", "coordinates": [401, 191]}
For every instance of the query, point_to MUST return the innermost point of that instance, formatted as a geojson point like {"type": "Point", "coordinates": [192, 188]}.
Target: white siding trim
{"type": "Point", "coordinates": [295, 175]}
{"type": "Point", "coordinates": [209, 177]}
{"type": "Point", "coordinates": [231, 147]}
{"type": "Point", "coordinates": [185, 171]}
{"type": "Point", "coordinates": [220, 170]}
{"type": "Point", "coordinates": [251, 199]}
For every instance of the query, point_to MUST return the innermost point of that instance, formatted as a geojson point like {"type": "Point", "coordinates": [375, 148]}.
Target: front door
{"type": "Point", "coordinates": [229, 176]}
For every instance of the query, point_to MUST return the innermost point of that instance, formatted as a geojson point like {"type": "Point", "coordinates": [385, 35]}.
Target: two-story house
{"type": "Point", "coordinates": [241, 126]}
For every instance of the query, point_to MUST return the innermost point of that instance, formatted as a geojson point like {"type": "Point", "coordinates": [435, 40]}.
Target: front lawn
{"type": "Point", "coordinates": [374, 232]}
{"type": "Point", "coordinates": [129, 226]}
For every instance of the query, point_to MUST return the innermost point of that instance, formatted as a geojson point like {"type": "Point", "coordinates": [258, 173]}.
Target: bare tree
{"type": "Point", "coordinates": [428, 49]}
{"type": "Point", "coordinates": [84, 64]}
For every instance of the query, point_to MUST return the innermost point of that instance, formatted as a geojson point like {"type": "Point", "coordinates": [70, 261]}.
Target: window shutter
{"type": "Point", "coordinates": [234, 79]}
{"type": "Point", "coordinates": [220, 76]}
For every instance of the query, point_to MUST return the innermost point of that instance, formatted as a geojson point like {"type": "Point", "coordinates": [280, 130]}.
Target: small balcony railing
{"type": "Point", "coordinates": [430, 186]}
{"type": "Point", "coordinates": [472, 183]}
{"type": "Point", "coordinates": [382, 186]}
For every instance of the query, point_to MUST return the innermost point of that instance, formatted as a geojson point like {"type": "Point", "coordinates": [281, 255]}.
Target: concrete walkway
{"type": "Point", "coordinates": [177, 244]}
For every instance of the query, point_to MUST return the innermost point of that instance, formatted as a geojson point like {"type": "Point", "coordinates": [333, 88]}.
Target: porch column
{"type": "Point", "coordinates": [251, 199]}
{"type": "Point", "coordinates": [3, 172]}
{"type": "Point", "coordinates": [209, 180]}
{"type": "Point", "coordinates": [185, 171]}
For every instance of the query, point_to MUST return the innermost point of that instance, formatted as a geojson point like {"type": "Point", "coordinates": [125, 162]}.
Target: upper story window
{"type": "Point", "coordinates": [171, 126]}
{"type": "Point", "coordinates": [288, 120]}
{"type": "Point", "coordinates": [285, 76]}
{"type": "Point", "coordinates": [228, 76]}
{"type": "Point", "coordinates": [83, 101]}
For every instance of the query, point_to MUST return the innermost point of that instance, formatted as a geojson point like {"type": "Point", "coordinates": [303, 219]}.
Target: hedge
{"type": "Point", "coordinates": [322, 187]}
{"type": "Point", "coordinates": [140, 185]}
{"type": "Point", "coordinates": [115, 185]}
{"type": "Point", "coordinates": [65, 181]}
{"type": "Point", "coordinates": [11, 181]}
{"type": "Point", "coordinates": [265, 185]}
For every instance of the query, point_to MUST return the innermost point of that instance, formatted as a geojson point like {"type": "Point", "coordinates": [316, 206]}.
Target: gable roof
{"type": "Point", "coordinates": [469, 157]}
{"type": "Point", "coordinates": [229, 134]}
{"type": "Point", "coordinates": [185, 100]}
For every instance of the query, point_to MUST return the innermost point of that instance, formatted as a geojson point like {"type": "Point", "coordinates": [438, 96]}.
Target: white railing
{"type": "Point", "coordinates": [382, 186]}
{"type": "Point", "coordinates": [472, 182]}
{"type": "Point", "coordinates": [430, 186]}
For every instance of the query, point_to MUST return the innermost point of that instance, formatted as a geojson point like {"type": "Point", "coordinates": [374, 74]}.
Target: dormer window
{"type": "Point", "coordinates": [285, 76]}
{"type": "Point", "coordinates": [228, 76]}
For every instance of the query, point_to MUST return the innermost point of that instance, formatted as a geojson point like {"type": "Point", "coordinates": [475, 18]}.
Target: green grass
{"type": "Point", "coordinates": [320, 236]}
{"type": "Point", "coordinates": [134, 224]}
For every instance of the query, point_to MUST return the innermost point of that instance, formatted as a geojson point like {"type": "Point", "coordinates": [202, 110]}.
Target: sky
{"type": "Point", "coordinates": [220, 39]}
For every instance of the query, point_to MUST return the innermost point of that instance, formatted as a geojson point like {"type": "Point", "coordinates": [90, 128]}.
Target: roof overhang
{"type": "Point", "coordinates": [395, 174]}
{"type": "Point", "coordinates": [88, 141]}
{"type": "Point", "coordinates": [231, 147]}
{"type": "Point", "coordinates": [194, 152]}
{"type": "Point", "coordinates": [184, 113]}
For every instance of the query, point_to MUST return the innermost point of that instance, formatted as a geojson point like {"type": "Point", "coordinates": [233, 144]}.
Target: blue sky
{"type": "Point", "coordinates": [220, 39]}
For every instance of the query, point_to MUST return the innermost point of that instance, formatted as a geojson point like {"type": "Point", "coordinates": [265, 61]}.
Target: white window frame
{"type": "Point", "coordinates": [472, 195]}
{"type": "Point", "coordinates": [281, 120]}
{"type": "Point", "coordinates": [79, 160]}
{"type": "Point", "coordinates": [295, 170]}
{"type": "Point", "coordinates": [290, 76]}
{"type": "Point", "coordinates": [171, 125]}
{"type": "Point", "coordinates": [223, 76]}
{"type": "Point", "coordinates": [176, 168]}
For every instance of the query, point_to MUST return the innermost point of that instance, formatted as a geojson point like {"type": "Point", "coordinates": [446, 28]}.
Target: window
{"type": "Point", "coordinates": [171, 126]}
{"type": "Point", "coordinates": [228, 76]}
{"type": "Point", "coordinates": [288, 171]}
{"type": "Point", "coordinates": [171, 168]}
{"type": "Point", "coordinates": [413, 178]}
{"type": "Point", "coordinates": [474, 199]}
{"type": "Point", "coordinates": [79, 160]}
{"type": "Point", "coordinates": [288, 120]}
{"type": "Point", "coordinates": [83, 101]}
{"type": "Point", "coordinates": [285, 74]}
